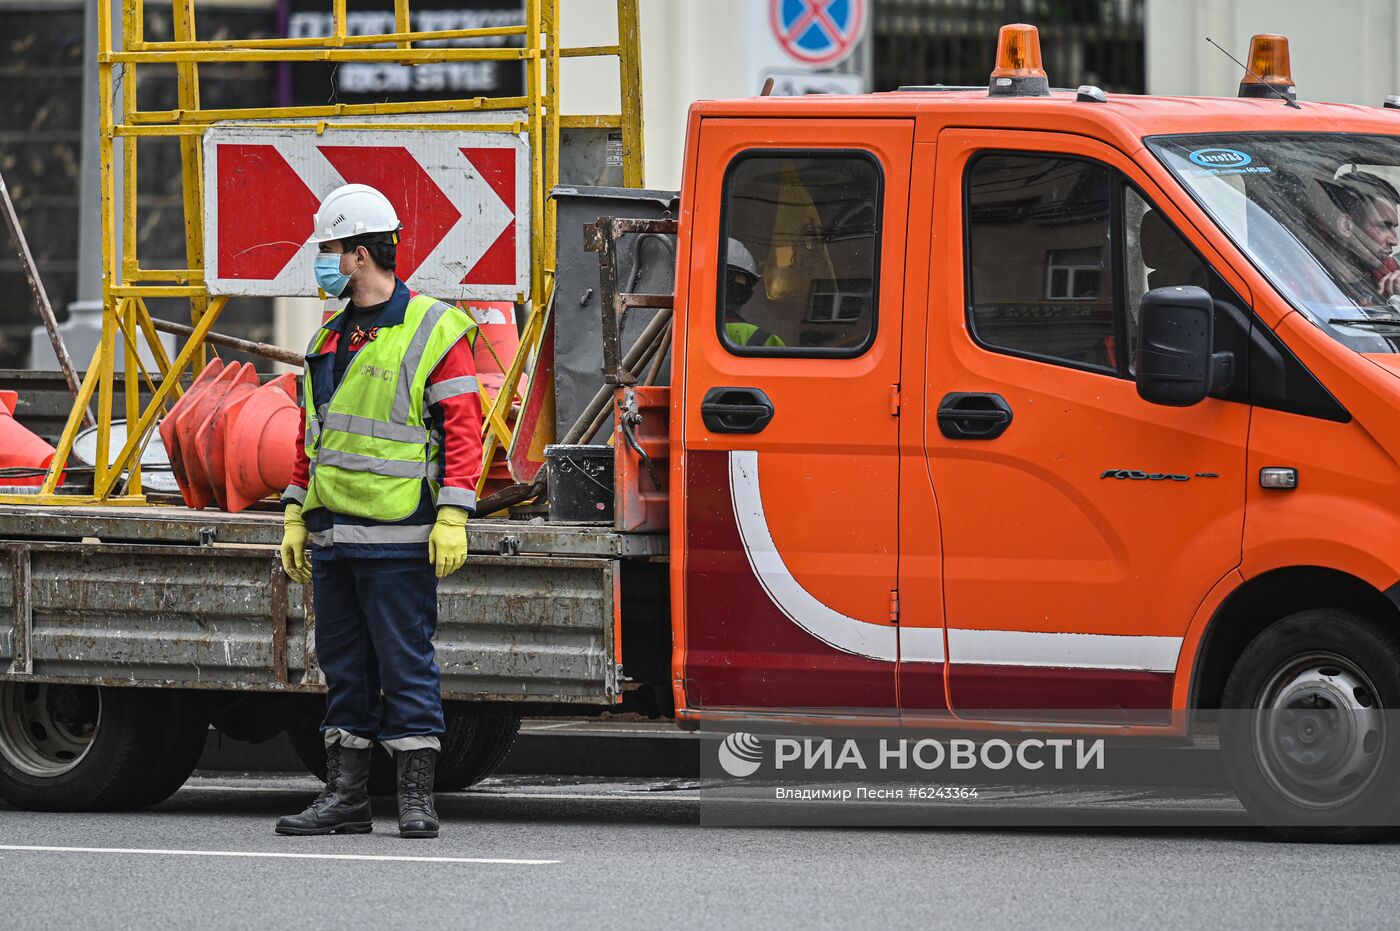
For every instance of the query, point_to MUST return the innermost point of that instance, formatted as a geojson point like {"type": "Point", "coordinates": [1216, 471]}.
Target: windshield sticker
{"type": "Point", "coordinates": [1226, 162]}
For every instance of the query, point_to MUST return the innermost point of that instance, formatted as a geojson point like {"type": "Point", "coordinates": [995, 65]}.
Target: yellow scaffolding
{"type": "Point", "coordinates": [125, 290]}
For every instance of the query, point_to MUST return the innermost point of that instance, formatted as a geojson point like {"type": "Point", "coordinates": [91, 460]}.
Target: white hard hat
{"type": "Point", "coordinates": [738, 256]}
{"type": "Point", "coordinates": [353, 210]}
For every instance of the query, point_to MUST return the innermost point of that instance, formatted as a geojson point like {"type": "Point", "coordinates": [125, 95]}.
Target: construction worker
{"type": "Point", "coordinates": [741, 277]}
{"type": "Point", "coordinates": [385, 480]}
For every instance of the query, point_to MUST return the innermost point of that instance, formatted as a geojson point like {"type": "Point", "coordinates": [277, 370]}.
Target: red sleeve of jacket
{"type": "Point", "coordinates": [301, 469]}
{"type": "Point", "coordinates": [456, 405]}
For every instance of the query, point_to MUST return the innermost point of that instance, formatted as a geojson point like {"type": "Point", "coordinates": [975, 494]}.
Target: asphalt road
{"type": "Point", "coordinates": [536, 852]}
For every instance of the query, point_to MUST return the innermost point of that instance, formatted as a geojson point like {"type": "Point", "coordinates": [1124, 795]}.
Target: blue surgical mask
{"type": "Point", "coordinates": [328, 274]}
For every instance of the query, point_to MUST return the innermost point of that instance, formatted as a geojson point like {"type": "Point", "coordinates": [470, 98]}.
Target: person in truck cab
{"type": "Point", "coordinates": [385, 478]}
{"type": "Point", "coordinates": [1362, 209]}
{"type": "Point", "coordinates": [741, 277]}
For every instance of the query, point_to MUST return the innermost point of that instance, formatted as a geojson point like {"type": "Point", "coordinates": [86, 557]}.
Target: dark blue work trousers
{"type": "Point", "coordinates": [375, 619]}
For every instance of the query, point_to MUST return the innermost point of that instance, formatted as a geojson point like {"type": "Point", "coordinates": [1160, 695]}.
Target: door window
{"type": "Point", "coordinates": [1041, 269]}
{"type": "Point", "coordinates": [1060, 253]}
{"type": "Point", "coordinates": [799, 254]}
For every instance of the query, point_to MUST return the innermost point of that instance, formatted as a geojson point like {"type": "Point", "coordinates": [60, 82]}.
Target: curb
{"type": "Point", "coordinates": [545, 747]}
{"type": "Point", "coordinates": [550, 747]}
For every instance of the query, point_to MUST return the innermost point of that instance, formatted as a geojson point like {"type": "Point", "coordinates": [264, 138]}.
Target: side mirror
{"type": "Point", "coordinates": [1176, 360]}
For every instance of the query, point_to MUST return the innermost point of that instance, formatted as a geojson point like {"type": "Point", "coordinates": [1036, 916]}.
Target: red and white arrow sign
{"type": "Point", "coordinates": [463, 199]}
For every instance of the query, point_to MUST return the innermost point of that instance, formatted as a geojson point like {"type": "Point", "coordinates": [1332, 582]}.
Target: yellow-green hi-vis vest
{"type": "Point", "coordinates": [369, 445]}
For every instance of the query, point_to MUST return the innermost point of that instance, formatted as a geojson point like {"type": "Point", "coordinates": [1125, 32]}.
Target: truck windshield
{"type": "Point", "coordinates": [1315, 212]}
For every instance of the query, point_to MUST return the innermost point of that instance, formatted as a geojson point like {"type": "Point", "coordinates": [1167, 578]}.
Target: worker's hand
{"type": "Point", "coordinates": [294, 560]}
{"type": "Point", "coordinates": [447, 544]}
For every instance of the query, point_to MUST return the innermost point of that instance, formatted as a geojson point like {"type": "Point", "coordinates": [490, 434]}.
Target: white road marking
{"type": "Point", "coordinates": [270, 855]}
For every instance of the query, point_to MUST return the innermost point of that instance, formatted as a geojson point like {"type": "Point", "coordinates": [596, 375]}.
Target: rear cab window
{"type": "Point", "coordinates": [799, 254]}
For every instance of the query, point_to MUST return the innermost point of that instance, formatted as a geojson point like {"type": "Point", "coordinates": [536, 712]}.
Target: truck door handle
{"type": "Point", "coordinates": [973, 415]}
{"type": "Point", "coordinates": [736, 410]}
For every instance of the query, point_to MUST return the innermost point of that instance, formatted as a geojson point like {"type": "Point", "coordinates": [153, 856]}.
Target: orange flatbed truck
{"type": "Point", "coordinates": [1048, 408]}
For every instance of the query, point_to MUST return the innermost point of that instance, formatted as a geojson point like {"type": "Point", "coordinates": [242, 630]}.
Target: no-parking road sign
{"type": "Point", "coordinates": [463, 198]}
{"type": "Point", "coordinates": [818, 32]}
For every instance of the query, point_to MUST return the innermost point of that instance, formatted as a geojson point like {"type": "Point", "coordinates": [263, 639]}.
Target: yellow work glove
{"type": "Point", "coordinates": [294, 560]}
{"type": "Point", "coordinates": [447, 544]}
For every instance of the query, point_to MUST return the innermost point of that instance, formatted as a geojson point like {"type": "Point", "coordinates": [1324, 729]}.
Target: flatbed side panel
{"type": "Point", "coordinates": [152, 614]}
{"type": "Point", "coordinates": [529, 628]}
{"type": "Point", "coordinates": [176, 526]}
{"type": "Point", "coordinates": [526, 628]}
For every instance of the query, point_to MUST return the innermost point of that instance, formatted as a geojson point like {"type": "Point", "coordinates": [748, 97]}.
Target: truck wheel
{"type": "Point", "coordinates": [475, 759]}
{"type": "Point", "coordinates": [1306, 739]}
{"type": "Point", "coordinates": [472, 748]}
{"type": "Point", "coordinates": [87, 748]}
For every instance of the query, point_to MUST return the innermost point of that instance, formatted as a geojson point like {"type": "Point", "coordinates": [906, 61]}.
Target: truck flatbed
{"type": "Point", "coordinates": [165, 596]}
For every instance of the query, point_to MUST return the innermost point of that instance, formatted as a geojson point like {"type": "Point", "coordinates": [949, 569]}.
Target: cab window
{"type": "Point", "coordinates": [1041, 258]}
{"type": "Point", "coordinates": [799, 254]}
{"type": "Point", "coordinates": [1060, 252]}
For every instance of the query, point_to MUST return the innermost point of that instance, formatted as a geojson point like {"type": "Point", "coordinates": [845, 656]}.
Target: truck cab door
{"type": "Point", "coordinates": [1082, 526]}
{"type": "Point", "coordinates": [793, 307]}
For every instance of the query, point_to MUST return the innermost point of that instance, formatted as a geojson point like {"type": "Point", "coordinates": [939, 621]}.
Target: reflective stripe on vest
{"type": "Point", "coordinates": [370, 447]}
{"type": "Point", "coordinates": [377, 429]}
{"type": "Point", "coordinates": [371, 534]}
{"type": "Point", "coordinates": [451, 388]}
{"type": "Point", "coordinates": [359, 462]}
{"type": "Point", "coordinates": [412, 359]}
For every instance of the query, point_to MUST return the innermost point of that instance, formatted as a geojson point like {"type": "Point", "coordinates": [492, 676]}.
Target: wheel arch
{"type": "Point", "coordinates": [1268, 597]}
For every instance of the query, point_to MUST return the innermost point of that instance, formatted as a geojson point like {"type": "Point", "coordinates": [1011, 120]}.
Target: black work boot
{"type": "Point", "coordinates": [417, 817]}
{"type": "Point", "coordinates": [343, 805]}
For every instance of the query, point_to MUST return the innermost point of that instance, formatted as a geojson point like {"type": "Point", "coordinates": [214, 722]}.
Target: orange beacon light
{"type": "Point", "coordinates": [1018, 72]}
{"type": "Point", "coordinates": [1272, 75]}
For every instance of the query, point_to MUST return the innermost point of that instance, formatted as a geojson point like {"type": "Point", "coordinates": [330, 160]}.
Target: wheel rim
{"type": "Point", "coordinates": [1320, 733]}
{"type": "Point", "coordinates": [46, 730]}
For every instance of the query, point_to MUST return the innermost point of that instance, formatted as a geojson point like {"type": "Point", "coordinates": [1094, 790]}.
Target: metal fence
{"type": "Point", "coordinates": [954, 41]}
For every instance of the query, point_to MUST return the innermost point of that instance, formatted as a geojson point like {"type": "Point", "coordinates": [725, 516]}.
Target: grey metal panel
{"type": "Point", "coordinates": [191, 616]}
{"type": "Point", "coordinates": [645, 264]}
{"type": "Point", "coordinates": [590, 155]}
{"type": "Point", "coordinates": [526, 628]}
{"type": "Point", "coordinates": [529, 631]}
{"type": "Point", "coordinates": [171, 525]}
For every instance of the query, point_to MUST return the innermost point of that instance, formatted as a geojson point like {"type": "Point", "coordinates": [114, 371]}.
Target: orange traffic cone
{"type": "Point", "coordinates": [497, 343]}
{"type": "Point", "coordinates": [200, 493]}
{"type": "Point", "coordinates": [260, 442]}
{"type": "Point", "coordinates": [19, 447]}
{"type": "Point", "coordinates": [170, 437]}
{"type": "Point", "coordinates": [211, 438]}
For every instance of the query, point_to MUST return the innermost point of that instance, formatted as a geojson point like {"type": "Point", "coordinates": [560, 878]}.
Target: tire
{"type": "Point", "coordinates": [479, 757]}
{"type": "Point", "coordinates": [90, 748]}
{"type": "Point", "coordinates": [472, 748]}
{"type": "Point", "coordinates": [1308, 728]}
